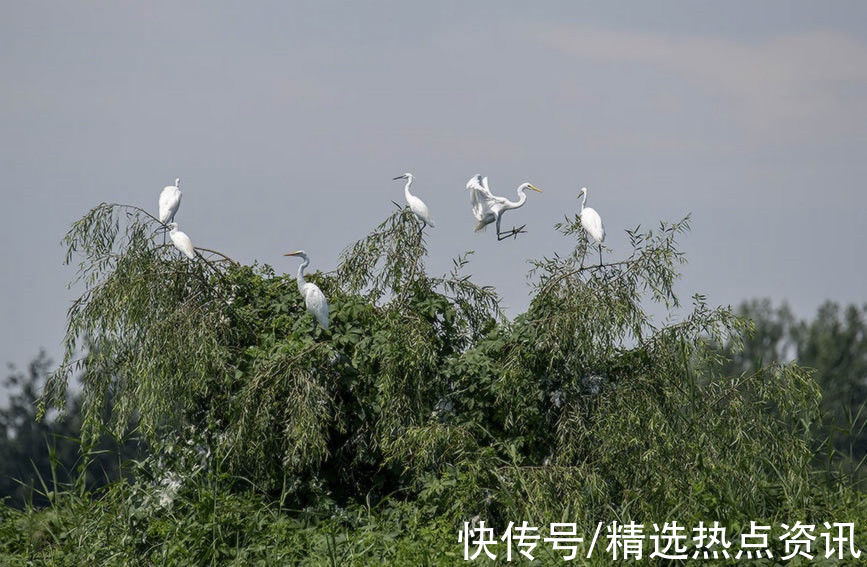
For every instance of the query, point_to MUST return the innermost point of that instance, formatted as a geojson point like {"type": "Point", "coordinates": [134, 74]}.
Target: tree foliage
{"type": "Point", "coordinates": [423, 391]}
{"type": "Point", "coordinates": [833, 348]}
{"type": "Point", "coordinates": [37, 453]}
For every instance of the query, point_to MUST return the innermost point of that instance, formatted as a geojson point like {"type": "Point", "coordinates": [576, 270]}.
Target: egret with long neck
{"type": "Point", "coordinates": [488, 208]}
{"type": "Point", "coordinates": [592, 222]}
{"type": "Point", "coordinates": [314, 299]}
{"type": "Point", "coordinates": [416, 205]}
{"type": "Point", "coordinates": [170, 200]}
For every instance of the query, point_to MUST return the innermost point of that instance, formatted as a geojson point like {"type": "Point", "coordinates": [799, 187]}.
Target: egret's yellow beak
{"type": "Point", "coordinates": [293, 253]}
{"type": "Point", "coordinates": [534, 188]}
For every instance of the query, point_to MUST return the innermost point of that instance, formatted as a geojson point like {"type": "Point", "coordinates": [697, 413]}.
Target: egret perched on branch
{"type": "Point", "coordinates": [181, 241]}
{"type": "Point", "coordinates": [170, 200]}
{"type": "Point", "coordinates": [592, 222]}
{"type": "Point", "coordinates": [416, 205]}
{"type": "Point", "coordinates": [315, 300]}
{"type": "Point", "coordinates": [488, 208]}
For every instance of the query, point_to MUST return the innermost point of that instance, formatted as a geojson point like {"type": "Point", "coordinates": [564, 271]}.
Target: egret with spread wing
{"type": "Point", "coordinates": [592, 222]}
{"type": "Point", "coordinates": [488, 208]}
{"type": "Point", "coordinates": [314, 299]}
{"type": "Point", "coordinates": [181, 241]}
{"type": "Point", "coordinates": [416, 205]}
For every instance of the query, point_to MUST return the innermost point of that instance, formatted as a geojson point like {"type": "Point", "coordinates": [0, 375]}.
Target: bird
{"type": "Point", "coordinates": [170, 200]}
{"type": "Point", "coordinates": [181, 241]}
{"type": "Point", "coordinates": [314, 299]}
{"type": "Point", "coordinates": [416, 205]}
{"type": "Point", "coordinates": [488, 208]}
{"type": "Point", "coordinates": [592, 222]}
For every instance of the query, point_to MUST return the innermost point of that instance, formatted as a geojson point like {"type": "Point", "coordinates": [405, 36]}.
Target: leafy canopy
{"type": "Point", "coordinates": [423, 390]}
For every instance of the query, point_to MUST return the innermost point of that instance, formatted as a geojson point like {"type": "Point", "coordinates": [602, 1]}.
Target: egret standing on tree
{"type": "Point", "coordinates": [170, 200]}
{"type": "Point", "coordinates": [488, 208]}
{"type": "Point", "coordinates": [592, 222]}
{"type": "Point", "coordinates": [181, 241]}
{"type": "Point", "coordinates": [416, 205]}
{"type": "Point", "coordinates": [314, 299]}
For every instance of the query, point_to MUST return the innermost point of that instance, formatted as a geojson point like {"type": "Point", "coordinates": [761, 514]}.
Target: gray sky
{"type": "Point", "coordinates": [287, 120]}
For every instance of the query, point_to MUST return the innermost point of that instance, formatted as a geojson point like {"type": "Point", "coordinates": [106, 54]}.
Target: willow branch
{"type": "Point", "coordinates": [576, 271]}
{"type": "Point", "coordinates": [220, 254]}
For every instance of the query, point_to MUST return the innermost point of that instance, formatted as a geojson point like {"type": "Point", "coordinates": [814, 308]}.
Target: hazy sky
{"type": "Point", "coordinates": [287, 120]}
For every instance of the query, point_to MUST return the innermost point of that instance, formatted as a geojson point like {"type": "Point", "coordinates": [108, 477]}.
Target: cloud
{"type": "Point", "coordinates": [807, 82]}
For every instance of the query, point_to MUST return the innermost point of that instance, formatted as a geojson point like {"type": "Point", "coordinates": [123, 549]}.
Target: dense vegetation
{"type": "Point", "coordinates": [37, 453]}
{"type": "Point", "coordinates": [421, 407]}
{"type": "Point", "coordinates": [833, 346]}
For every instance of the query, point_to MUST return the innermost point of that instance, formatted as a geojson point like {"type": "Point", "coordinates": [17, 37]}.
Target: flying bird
{"type": "Point", "coordinates": [488, 208]}
{"type": "Point", "coordinates": [181, 241]}
{"type": "Point", "coordinates": [416, 205]}
{"type": "Point", "coordinates": [592, 222]}
{"type": "Point", "coordinates": [314, 299]}
{"type": "Point", "coordinates": [170, 200]}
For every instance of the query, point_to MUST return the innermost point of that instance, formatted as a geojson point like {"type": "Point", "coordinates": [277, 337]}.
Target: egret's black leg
{"type": "Point", "coordinates": [503, 235]}
{"type": "Point", "coordinates": [511, 233]}
{"type": "Point", "coordinates": [600, 255]}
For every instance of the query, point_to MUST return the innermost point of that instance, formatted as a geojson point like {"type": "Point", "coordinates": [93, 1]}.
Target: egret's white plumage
{"type": "Point", "coordinates": [416, 205]}
{"type": "Point", "coordinates": [314, 299]}
{"type": "Point", "coordinates": [488, 208]}
{"type": "Point", "coordinates": [181, 241]}
{"type": "Point", "coordinates": [592, 222]}
{"type": "Point", "coordinates": [170, 200]}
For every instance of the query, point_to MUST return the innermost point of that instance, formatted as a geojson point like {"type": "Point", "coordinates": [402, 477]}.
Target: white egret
{"type": "Point", "coordinates": [416, 205]}
{"type": "Point", "coordinates": [314, 299]}
{"type": "Point", "coordinates": [488, 208]}
{"type": "Point", "coordinates": [170, 200]}
{"type": "Point", "coordinates": [181, 241]}
{"type": "Point", "coordinates": [592, 222]}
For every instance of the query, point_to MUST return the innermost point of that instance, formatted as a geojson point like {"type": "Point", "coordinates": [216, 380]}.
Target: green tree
{"type": "Point", "coordinates": [27, 445]}
{"type": "Point", "coordinates": [833, 347]}
{"type": "Point", "coordinates": [770, 338]}
{"type": "Point", "coordinates": [834, 343]}
{"type": "Point", "coordinates": [422, 394]}
{"type": "Point", "coordinates": [36, 454]}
